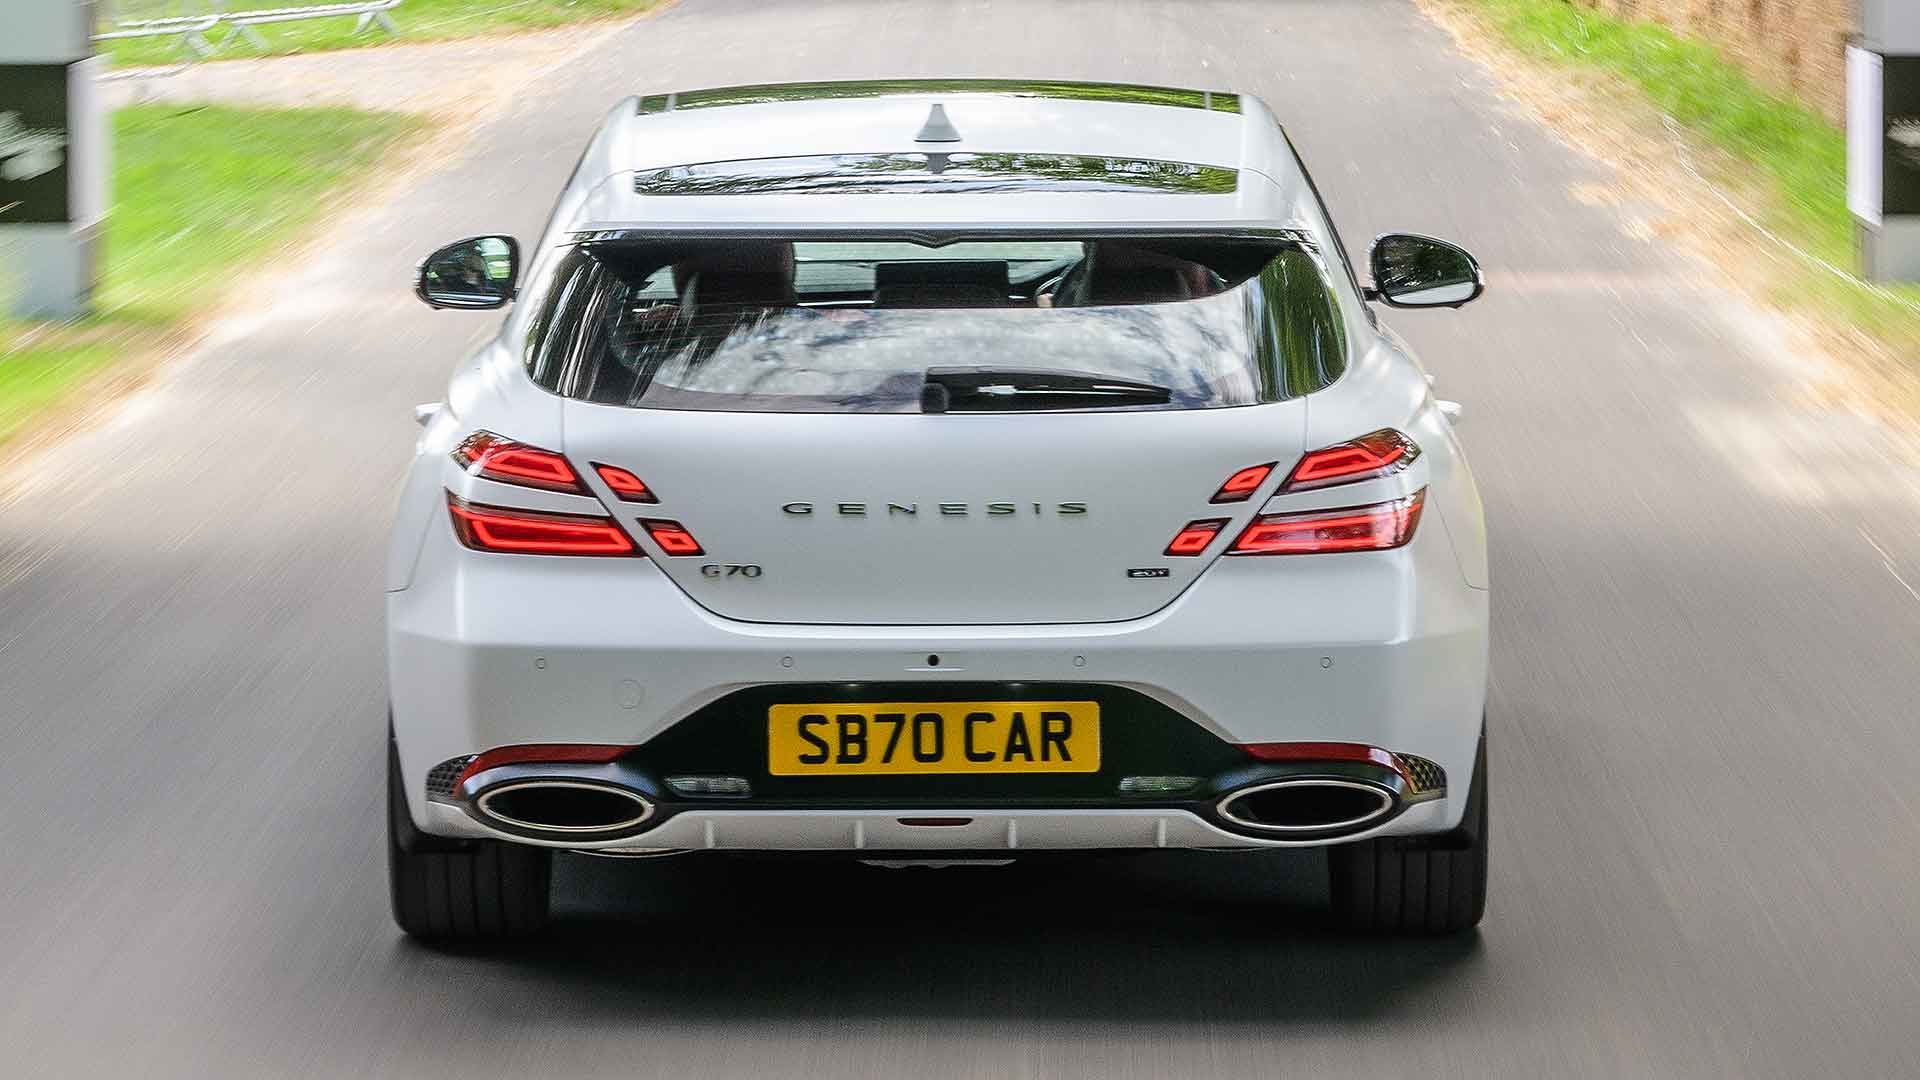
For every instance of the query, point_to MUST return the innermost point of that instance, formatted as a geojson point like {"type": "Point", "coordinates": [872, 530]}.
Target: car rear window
{"type": "Point", "coordinates": [856, 326]}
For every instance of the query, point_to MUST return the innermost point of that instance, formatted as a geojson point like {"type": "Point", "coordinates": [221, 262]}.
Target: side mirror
{"type": "Point", "coordinates": [1412, 271]}
{"type": "Point", "coordinates": [474, 275]}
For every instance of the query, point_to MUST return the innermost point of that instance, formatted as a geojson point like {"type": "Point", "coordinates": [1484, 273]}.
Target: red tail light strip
{"type": "Point", "coordinates": [1369, 457]}
{"type": "Point", "coordinates": [1241, 485]}
{"type": "Point", "coordinates": [673, 538]}
{"type": "Point", "coordinates": [627, 486]}
{"type": "Point", "coordinates": [1194, 537]}
{"type": "Point", "coordinates": [526, 532]}
{"type": "Point", "coordinates": [1379, 527]}
{"type": "Point", "coordinates": [485, 454]}
{"type": "Point", "coordinates": [542, 753]}
{"type": "Point", "coordinates": [1329, 751]}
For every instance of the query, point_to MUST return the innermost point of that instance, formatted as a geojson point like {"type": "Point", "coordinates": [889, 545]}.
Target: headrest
{"type": "Point", "coordinates": [713, 288]}
{"type": "Point", "coordinates": [1124, 274]}
{"type": "Point", "coordinates": [940, 284]}
{"type": "Point", "coordinates": [749, 258]}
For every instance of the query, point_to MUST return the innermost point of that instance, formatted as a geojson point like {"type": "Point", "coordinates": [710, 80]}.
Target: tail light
{"type": "Point", "coordinates": [1194, 537]}
{"type": "Point", "coordinates": [627, 486]}
{"type": "Point", "coordinates": [527, 532]}
{"type": "Point", "coordinates": [1320, 751]}
{"type": "Point", "coordinates": [541, 753]}
{"type": "Point", "coordinates": [1368, 457]}
{"type": "Point", "coordinates": [488, 455]}
{"type": "Point", "coordinates": [673, 538]}
{"type": "Point", "coordinates": [1358, 528]}
{"type": "Point", "coordinates": [1241, 485]}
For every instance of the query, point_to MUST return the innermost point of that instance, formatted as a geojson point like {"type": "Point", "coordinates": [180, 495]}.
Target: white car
{"type": "Point", "coordinates": [932, 471]}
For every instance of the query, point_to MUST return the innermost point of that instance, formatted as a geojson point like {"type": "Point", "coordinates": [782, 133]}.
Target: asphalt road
{"type": "Point", "coordinates": [1702, 721]}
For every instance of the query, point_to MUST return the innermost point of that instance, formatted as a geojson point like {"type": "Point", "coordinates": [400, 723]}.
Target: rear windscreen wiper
{"type": "Point", "coordinates": [991, 389]}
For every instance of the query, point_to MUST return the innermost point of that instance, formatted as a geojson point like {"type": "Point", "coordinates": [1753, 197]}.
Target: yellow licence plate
{"type": "Point", "coordinates": [934, 737]}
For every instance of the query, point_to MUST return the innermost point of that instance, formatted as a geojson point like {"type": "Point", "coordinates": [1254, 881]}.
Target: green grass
{"type": "Point", "coordinates": [419, 20]}
{"type": "Point", "coordinates": [39, 375]}
{"type": "Point", "coordinates": [199, 193]}
{"type": "Point", "coordinates": [1799, 158]}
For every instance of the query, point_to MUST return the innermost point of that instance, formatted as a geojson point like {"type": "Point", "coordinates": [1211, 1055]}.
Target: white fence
{"type": "Point", "coordinates": [193, 21]}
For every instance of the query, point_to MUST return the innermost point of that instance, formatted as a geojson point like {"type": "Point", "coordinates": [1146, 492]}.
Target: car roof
{"type": "Point", "coordinates": [1247, 174]}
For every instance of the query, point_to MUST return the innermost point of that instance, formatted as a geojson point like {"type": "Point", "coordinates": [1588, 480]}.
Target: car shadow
{"type": "Point", "coordinates": [1157, 937]}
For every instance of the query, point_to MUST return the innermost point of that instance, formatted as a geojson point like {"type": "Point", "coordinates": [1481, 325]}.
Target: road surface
{"type": "Point", "coordinates": [1703, 713]}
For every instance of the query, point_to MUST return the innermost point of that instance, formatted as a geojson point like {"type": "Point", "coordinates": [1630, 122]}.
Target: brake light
{"type": "Point", "coordinates": [1314, 532]}
{"type": "Point", "coordinates": [526, 532]}
{"type": "Point", "coordinates": [673, 538]}
{"type": "Point", "coordinates": [485, 454]}
{"type": "Point", "coordinates": [1368, 457]}
{"type": "Point", "coordinates": [627, 486]}
{"type": "Point", "coordinates": [1193, 538]}
{"type": "Point", "coordinates": [541, 753]}
{"type": "Point", "coordinates": [1241, 485]}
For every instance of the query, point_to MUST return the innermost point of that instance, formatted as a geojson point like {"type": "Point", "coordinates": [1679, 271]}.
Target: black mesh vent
{"type": "Point", "coordinates": [440, 780]}
{"type": "Point", "coordinates": [1428, 777]}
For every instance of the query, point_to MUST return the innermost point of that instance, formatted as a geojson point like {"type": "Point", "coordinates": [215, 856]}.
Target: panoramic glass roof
{"type": "Point", "coordinates": [936, 173]}
{"type": "Point", "coordinates": [1122, 93]}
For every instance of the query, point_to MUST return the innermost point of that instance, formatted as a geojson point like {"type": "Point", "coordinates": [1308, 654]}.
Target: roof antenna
{"type": "Point", "coordinates": [938, 128]}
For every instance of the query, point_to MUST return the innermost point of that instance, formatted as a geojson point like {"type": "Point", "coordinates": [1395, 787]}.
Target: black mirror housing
{"type": "Point", "coordinates": [1413, 271]}
{"type": "Point", "coordinates": [476, 274]}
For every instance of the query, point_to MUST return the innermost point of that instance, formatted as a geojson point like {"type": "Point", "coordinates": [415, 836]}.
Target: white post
{"type": "Point", "coordinates": [1883, 139]}
{"type": "Point", "coordinates": [53, 159]}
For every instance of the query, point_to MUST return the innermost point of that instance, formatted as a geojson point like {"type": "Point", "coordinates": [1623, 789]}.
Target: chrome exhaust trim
{"type": "Point", "coordinates": [577, 808]}
{"type": "Point", "coordinates": [1355, 805]}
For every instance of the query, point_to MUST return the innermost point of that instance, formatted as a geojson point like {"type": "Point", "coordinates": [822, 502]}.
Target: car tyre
{"type": "Point", "coordinates": [1416, 885]}
{"type": "Point", "coordinates": [460, 890]}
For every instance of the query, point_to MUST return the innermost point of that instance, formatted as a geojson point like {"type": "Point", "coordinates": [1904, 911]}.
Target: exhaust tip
{"type": "Point", "coordinates": [1308, 804]}
{"type": "Point", "coordinates": [567, 807]}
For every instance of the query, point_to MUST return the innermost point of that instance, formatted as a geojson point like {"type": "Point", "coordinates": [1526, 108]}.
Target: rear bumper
{"type": "Point", "coordinates": [877, 833]}
{"type": "Point", "coordinates": [1387, 649]}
